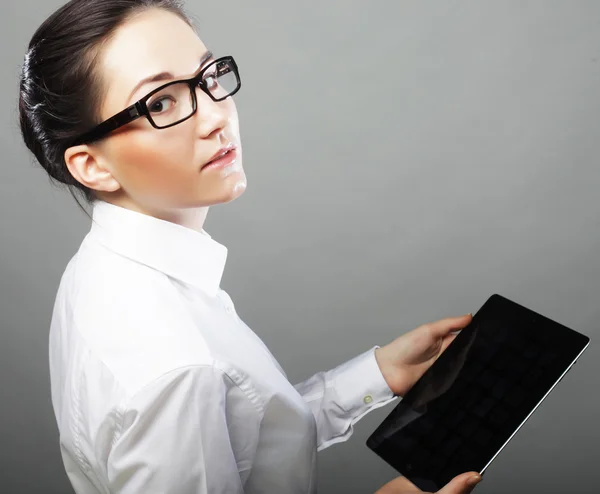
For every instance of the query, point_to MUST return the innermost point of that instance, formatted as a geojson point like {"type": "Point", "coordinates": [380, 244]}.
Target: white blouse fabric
{"type": "Point", "coordinates": [159, 387]}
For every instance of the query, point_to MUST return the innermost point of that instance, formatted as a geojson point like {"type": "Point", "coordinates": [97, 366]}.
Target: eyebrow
{"type": "Point", "coordinates": [166, 76]}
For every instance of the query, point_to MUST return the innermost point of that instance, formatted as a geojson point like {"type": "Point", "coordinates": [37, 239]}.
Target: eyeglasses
{"type": "Point", "coordinates": [174, 102]}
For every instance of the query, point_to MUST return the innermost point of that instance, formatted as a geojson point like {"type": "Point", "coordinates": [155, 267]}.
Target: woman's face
{"type": "Point", "coordinates": [164, 170]}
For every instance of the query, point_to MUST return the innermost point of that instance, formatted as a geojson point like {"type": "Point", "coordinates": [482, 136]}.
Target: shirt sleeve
{"type": "Point", "coordinates": [341, 396]}
{"type": "Point", "coordinates": [177, 436]}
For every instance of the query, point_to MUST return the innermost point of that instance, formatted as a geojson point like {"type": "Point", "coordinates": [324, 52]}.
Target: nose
{"type": "Point", "coordinates": [211, 116]}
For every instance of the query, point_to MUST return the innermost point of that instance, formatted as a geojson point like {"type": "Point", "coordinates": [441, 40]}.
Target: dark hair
{"type": "Point", "coordinates": [60, 90]}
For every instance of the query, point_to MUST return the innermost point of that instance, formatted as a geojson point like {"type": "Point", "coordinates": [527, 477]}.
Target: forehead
{"type": "Point", "coordinates": [152, 42]}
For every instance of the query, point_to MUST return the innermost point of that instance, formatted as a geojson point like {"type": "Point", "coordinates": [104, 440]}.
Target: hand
{"type": "Point", "coordinates": [463, 484]}
{"type": "Point", "coordinates": [405, 360]}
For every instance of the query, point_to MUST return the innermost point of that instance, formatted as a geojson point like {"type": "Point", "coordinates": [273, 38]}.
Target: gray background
{"type": "Point", "coordinates": [406, 159]}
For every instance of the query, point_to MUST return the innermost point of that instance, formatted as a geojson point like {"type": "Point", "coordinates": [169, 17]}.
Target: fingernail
{"type": "Point", "coordinates": [475, 479]}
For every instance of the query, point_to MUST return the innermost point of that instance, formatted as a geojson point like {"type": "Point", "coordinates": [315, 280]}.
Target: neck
{"type": "Point", "coordinates": [192, 218]}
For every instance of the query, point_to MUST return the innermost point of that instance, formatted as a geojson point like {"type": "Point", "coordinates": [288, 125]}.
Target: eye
{"type": "Point", "coordinates": [211, 81]}
{"type": "Point", "coordinates": [162, 104]}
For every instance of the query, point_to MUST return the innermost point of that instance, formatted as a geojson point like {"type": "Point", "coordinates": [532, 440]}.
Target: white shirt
{"type": "Point", "coordinates": [159, 387]}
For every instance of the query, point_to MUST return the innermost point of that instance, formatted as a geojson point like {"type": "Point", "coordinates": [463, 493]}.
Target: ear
{"type": "Point", "coordinates": [88, 167]}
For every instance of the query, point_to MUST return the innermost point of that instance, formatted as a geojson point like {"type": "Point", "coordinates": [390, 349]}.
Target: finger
{"type": "Point", "coordinates": [399, 484]}
{"type": "Point", "coordinates": [450, 324]}
{"type": "Point", "coordinates": [462, 484]}
{"type": "Point", "coordinates": [446, 341]}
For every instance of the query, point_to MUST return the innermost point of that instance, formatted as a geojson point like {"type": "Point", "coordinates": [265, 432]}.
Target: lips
{"type": "Point", "coordinates": [222, 157]}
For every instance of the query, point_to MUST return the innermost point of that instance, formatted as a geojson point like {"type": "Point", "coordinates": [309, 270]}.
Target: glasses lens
{"type": "Point", "coordinates": [171, 105]}
{"type": "Point", "coordinates": [221, 79]}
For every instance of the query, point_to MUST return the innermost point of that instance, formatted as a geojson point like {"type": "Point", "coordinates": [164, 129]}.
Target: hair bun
{"type": "Point", "coordinates": [36, 122]}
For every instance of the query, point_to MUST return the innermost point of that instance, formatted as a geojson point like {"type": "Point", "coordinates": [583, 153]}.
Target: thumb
{"type": "Point", "coordinates": [450, 324]}
{"type": "Point", "coordinates": [462, 484]}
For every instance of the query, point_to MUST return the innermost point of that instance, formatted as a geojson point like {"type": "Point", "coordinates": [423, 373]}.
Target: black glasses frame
{"type": "Point", "coordinates": [140, 109]}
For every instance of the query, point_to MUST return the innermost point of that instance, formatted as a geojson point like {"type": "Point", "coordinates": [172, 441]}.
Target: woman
{"type": "Point", "coordinates": [157, 385]}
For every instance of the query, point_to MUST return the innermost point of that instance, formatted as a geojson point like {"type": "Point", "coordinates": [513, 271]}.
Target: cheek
{"type": "Point", "coordinates": [153, 160]}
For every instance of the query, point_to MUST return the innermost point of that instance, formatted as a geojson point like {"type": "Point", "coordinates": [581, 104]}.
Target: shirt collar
{"type": "Point", "coordinates": [180, 252]}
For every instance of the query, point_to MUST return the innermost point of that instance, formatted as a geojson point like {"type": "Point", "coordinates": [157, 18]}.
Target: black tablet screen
{"type": "Point", "coordinates": [478, 393]}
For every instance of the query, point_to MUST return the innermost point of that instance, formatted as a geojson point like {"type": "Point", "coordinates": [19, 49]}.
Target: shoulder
{"type": "Point", "coordinates": [130, 316]}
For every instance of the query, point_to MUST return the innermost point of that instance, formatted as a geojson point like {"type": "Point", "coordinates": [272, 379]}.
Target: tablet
{"type": "Point", "coordinates": [477, 395]}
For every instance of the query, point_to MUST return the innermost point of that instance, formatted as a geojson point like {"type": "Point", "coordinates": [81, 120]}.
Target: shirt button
{"type": "Point", "coordinates": [368, 399]}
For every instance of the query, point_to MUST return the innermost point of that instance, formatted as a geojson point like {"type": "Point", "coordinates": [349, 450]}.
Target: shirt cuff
{"type": "Point", "coordinates": [360, 385]}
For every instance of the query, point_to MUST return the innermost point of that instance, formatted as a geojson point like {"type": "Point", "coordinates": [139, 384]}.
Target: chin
{"type": "Point", "coordinates": [232, 192]}
{"type": "Point", "coordinates": [237, 190]}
